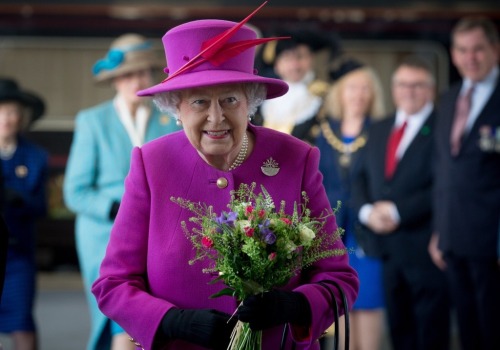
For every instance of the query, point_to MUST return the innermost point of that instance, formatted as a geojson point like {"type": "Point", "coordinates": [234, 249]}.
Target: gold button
{"type": "Point", "coordinates": [222, 182]}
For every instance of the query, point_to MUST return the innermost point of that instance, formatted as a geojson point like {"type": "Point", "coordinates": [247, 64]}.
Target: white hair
{"type": "Point", "coordinates": [169, 101]}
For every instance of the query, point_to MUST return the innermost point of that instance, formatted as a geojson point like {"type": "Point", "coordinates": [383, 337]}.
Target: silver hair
{"type": "Point", "coordinates": [169, 101]}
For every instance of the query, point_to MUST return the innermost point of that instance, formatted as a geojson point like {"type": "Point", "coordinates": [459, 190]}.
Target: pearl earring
{"type": "Point", "coordinates": [178, 122]}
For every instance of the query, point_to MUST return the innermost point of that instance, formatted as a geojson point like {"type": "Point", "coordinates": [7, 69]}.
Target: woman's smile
{"type": "Point", "coordinates": [216, 134]}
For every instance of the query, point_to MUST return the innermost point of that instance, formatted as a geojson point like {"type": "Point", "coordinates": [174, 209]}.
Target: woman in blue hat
{"type": "Point", "coordinates": [100, 159]}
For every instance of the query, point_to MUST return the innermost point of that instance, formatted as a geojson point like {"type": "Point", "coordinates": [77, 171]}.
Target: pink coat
{"type": "Point", "coordinates": [145, 271]}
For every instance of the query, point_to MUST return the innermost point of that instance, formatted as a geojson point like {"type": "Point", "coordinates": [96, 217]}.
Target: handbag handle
{"type": "Point", "coordinates": [324, 283]}
{"type": "Point", "coordinates": [336, 312]}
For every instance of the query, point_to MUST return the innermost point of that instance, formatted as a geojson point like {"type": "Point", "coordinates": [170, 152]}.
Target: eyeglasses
{"type": "Point", "coordinates": [413, 86]}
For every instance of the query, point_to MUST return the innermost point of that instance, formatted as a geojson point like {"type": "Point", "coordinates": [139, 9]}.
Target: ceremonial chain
{"type": "Point", "coordinates": [344, 149]}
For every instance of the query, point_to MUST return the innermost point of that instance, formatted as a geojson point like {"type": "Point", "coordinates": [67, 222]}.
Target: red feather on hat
{"type": "Point", "coordinates": [216, 50]}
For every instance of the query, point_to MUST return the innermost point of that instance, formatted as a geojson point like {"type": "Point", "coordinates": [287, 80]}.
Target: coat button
{"type": "Point", "coordinates": [222, 182]}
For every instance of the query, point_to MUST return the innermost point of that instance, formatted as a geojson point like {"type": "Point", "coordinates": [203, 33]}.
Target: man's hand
{"type": "Point", "coordinates": [381, 219]}
{"type": "Point", "coordinates": [435, 253]}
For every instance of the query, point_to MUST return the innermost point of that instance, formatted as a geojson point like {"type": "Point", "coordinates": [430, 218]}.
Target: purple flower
{"type": "Point", "coordinates": [227, 218]}
{"type": "Point", "coordinates": [270, 238]}
{"type": "Point", "coordinates": [266, 233]}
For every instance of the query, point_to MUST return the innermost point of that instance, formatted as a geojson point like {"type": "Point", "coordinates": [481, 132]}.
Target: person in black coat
{"type": "Point", "coordinates": [4, 241]}
{"type": "Point", "coordinates": [467, 186]}
{"type": "Point", "coordinates": [4, 237]}
{"type": "Point", "coordinates": [393, 199]}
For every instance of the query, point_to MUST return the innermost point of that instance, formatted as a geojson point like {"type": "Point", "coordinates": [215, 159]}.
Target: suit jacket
{"type": "Point", "coordinates": [98, 162]}
{"type": "Point", "coordinates": [467, 187]}
{"type": "Point", "coordinates": [146, 271]}
{"type": "Point", "coordinates": [410, 189]}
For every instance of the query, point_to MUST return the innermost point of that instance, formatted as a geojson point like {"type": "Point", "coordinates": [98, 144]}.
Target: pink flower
{"type": "Point", "coordinates": [272, 256]}
{"type": "Point", "coordinates": [286, 221]}
{"type": "Point", "coordinates": [262, 213]}
{"type": "Point", "coordinates": [207, 242]}
{"type": "Point", "coordinates": [249, 231]}
{"type": "Point", "coordinates": [248, 210]}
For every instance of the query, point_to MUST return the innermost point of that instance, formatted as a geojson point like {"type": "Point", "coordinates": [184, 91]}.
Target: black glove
{"type": "Point", "coordinates": [273, 308]}
{"type": "Point", "coordinates": [13, 198]}
{"type": "Point", "coordinates": [204, 327]}
{"type": "Point", "coordinates": [114, 210]}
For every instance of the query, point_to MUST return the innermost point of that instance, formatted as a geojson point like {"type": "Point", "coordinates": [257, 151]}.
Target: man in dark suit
{"type": "Point", "coordinates": [467, 184]}
{"type": "Point", "coordinates": [394, 201]}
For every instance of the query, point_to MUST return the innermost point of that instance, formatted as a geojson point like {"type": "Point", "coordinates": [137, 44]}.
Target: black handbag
{"type": "Point", "coordinates": [335, 307]}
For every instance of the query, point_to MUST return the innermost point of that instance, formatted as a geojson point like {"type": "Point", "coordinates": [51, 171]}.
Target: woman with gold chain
{"type": "Point", "coordinates": [354, 99]}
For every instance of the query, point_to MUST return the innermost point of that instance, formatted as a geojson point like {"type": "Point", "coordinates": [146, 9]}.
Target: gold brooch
{"type": "Point", "coordinates": [21, 171]}
{"type": "Point", "coordinates": [270, 167]}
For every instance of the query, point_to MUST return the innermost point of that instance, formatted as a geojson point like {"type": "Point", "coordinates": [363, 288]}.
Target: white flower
{"type": "Point", "coordinates": [306, 234]}
{"type": "Point", "coordinates": [242, 206]}
{"type": "Point", "coordinates": [290, 246]}
{"type": "Point", "coordinates": [243, 224]}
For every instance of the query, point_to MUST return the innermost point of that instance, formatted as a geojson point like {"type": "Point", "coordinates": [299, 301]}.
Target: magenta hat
{"type": "Point", "coordinates": [212, 52]}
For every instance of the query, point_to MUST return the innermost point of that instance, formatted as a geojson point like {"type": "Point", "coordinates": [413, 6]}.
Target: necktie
{"type": "Point", "coordinates": [462, 110]}
{"type": "Point", "coordinates": [392, 146]}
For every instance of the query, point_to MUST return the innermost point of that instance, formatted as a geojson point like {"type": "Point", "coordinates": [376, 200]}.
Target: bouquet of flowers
{"type": "Point", "coordinates": [255, 247]}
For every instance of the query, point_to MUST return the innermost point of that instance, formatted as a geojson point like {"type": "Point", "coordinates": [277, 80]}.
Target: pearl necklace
{"type": "Point", "coordinates": [241, 154]}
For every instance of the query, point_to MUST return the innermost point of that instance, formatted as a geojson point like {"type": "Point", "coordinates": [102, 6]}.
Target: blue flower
{"type": "Point", "coordinates": [227, 218]}
{"type": "Point", "coordinates": [270, 238]}
{"type": "Point", "coordinates": [266, 233]}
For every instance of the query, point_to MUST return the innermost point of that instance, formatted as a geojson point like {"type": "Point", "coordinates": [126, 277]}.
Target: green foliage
{"type": "Point", "coordinates": [253, 247]}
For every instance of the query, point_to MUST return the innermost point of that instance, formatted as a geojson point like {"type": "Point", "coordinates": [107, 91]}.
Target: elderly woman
{"type": "Point", "coordinates": [24, 173]}
{"type": "Point", "coordinates": [100, 159]}
{"type": "Point", "coordinates": [146, 283]}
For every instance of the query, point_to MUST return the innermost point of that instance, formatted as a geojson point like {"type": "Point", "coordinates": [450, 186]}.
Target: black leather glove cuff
{"type": "Point", "coordinates": [205, 327]}
{"type": "Point", "coordinates": [114, 210]}
{"type": "Point", "coordinates": [274, 308]}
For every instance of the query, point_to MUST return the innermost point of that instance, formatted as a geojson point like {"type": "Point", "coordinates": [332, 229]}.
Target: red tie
{"type": "Point", "coordinates": [462, 110]}
{"type": "Point", "coordinates": [392, 146]}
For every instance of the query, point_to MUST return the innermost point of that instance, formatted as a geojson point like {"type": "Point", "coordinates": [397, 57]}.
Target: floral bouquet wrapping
{"type": "Point", "coordinates": [255, 247]}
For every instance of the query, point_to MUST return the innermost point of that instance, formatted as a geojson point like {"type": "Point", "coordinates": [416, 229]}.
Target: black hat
{"type": "Point", "coordinates": [10, 91]}
{"type": "Point", "coordinates": [343, 67]}
{"type": "Point", "coordinates": [315, 40]}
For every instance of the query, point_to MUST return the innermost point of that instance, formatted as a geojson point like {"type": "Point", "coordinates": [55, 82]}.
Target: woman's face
{"type": "Point", "coordinates": [215, 119]}
{"type": "Point", "coordinates": [129, 84]}
{"type": "Point", "coordinates": [10, 119]}
{"type": "Point", "coordinates": [356, 93]}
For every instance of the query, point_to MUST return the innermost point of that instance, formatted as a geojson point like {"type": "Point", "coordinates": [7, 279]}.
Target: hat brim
{"type": "Point", "coordinates": [106, 76]}
{"type": "Point", "coordinates": [29, 100]}
{"type": "Point", "coordinates": [275, 87]}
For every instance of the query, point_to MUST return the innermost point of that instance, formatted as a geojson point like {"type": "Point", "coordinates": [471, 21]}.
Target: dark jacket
{"type": "Point", "coordinates": [410, 189]}
{"type": "Point", "coordinates": [467, 187]}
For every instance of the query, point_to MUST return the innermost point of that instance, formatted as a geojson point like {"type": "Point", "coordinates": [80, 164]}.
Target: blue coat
{"type": "Point", "coordinates": [25, 179]}
{"type": "Point", "coordinates": [98, 162]}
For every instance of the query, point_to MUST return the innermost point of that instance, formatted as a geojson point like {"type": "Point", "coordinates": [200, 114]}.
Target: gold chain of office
{"type": "Point", "coordinates": [345, 149]}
